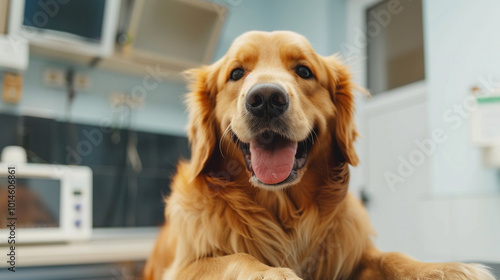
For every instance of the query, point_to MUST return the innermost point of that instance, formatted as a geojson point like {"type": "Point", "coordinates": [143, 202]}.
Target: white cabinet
{"type": "Point", "coordinates": [178, 32]}
{"type": "Point", "coordinates": [170, 35]}
{"type": "Point", "coordinates": [398, 169]}
{"type": "Point", "coordinates": [397, 172]}
{"type": "Point", "coordinates": [164, 36]}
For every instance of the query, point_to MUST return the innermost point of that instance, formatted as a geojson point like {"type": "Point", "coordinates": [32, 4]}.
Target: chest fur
{"type": "Point", "coordinates": [315, 246]}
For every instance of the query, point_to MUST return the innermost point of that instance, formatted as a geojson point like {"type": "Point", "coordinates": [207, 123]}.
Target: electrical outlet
{"type": "Point", "coordinates": [118, 99]}
{"type": "Point", "coordinates": [56, 78]}
{"type": "Point", "coordinates": [82, 81]}
{"type": "Point", "coordinates": [12, 88]}
{"type": "Point", "coordinates": [53, 77]}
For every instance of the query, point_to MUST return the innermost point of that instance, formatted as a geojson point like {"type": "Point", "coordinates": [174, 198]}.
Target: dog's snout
{"type": "Point", "coordinates": [267, 100]}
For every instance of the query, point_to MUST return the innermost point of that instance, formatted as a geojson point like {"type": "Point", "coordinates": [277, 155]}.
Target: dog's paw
{"type": "Point", "coordinates": [460, 271]}
{"type": "Point", "coordinates": [275, 273]}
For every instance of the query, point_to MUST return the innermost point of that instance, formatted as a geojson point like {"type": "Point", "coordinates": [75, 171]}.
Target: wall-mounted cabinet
{"type": "Point", "coordinates": [169, 35]}
{"type": "Point", "coordinates": [177, 32]}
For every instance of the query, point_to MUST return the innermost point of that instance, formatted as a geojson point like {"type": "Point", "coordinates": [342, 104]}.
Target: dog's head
{"type": "Point", "coordinates": [284, 106]}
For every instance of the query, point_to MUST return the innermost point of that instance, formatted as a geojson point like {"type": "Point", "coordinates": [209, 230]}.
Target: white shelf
{"type": "Point", "coordinates": [94, 251]}
{"type": "Point", "coordinates": [119, 63]}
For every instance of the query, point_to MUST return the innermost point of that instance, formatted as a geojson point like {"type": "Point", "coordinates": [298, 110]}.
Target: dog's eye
{"type": "Point", "coordinates": [303, 72]}
{"type": "Point", "coordinates": [237, 74]}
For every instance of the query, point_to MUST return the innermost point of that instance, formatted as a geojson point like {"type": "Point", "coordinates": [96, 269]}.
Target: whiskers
{"type": "Point", "coordinates": [314, 139]}
{"type": "Point", "coordinates": [313, 136]}
{"type": "Point", "coordinates": [231, 139]}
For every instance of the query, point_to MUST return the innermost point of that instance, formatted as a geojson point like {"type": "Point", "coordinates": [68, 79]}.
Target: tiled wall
{"type": "Point", "coordinates": [121, 197]}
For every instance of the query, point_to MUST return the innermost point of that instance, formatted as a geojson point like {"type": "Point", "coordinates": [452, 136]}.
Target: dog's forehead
{"type": "Point", "coordinates": [256, 42]}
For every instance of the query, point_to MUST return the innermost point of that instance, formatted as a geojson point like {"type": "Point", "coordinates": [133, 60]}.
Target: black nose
{"type": "Point", "coordinates": [267, 100]}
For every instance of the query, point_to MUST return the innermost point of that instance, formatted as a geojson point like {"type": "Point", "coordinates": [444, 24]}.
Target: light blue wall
{"type": "Point", "coordinates": [321, 21]}
{"type": "Point", "coordinates": [462, 44]}
{"type": "Point", "coordinates": [162, 112]}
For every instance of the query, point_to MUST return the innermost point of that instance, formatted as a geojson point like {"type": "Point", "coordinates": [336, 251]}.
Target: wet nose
{"type": "Point", "coordinates": [267, 100]}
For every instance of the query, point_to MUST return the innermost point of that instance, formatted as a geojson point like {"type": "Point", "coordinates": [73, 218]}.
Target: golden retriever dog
{"type": "Point", "coordinates": [265, 194]}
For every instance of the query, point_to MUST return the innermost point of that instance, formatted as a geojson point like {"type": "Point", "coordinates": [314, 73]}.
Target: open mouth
{"type": "Point", "coordinates": [274, 159]}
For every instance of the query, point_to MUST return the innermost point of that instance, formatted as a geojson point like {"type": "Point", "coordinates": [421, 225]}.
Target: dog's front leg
{"type": "Point", "coordinates": [230, 267]}
{"type": "Point", "coordinates": [391, 266]}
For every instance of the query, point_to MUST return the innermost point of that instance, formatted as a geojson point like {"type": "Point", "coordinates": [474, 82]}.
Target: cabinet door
{"type": "Point", "coordinates": [182, 33]}
{"type": "Point", "coordinates": [390, 37]}
{"type": "Point", "coordinates": [397, 173]}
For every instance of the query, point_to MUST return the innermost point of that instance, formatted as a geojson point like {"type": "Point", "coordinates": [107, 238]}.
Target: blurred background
{"type": "Point", "coordinates": [92, 93]}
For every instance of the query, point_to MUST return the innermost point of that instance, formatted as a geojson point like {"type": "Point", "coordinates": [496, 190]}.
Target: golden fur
{"type": "Point", "coordinates": [219, 225]}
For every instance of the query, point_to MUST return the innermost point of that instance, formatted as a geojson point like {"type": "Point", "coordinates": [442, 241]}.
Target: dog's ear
{"type": "Point", "coordinates": [341, 91]}
{"type": "Point", "coordinates": [202, 126]}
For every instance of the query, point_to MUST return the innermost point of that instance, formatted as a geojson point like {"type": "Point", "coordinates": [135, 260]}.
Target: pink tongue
{"type": "Point", "coordinates": [272, 163]}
